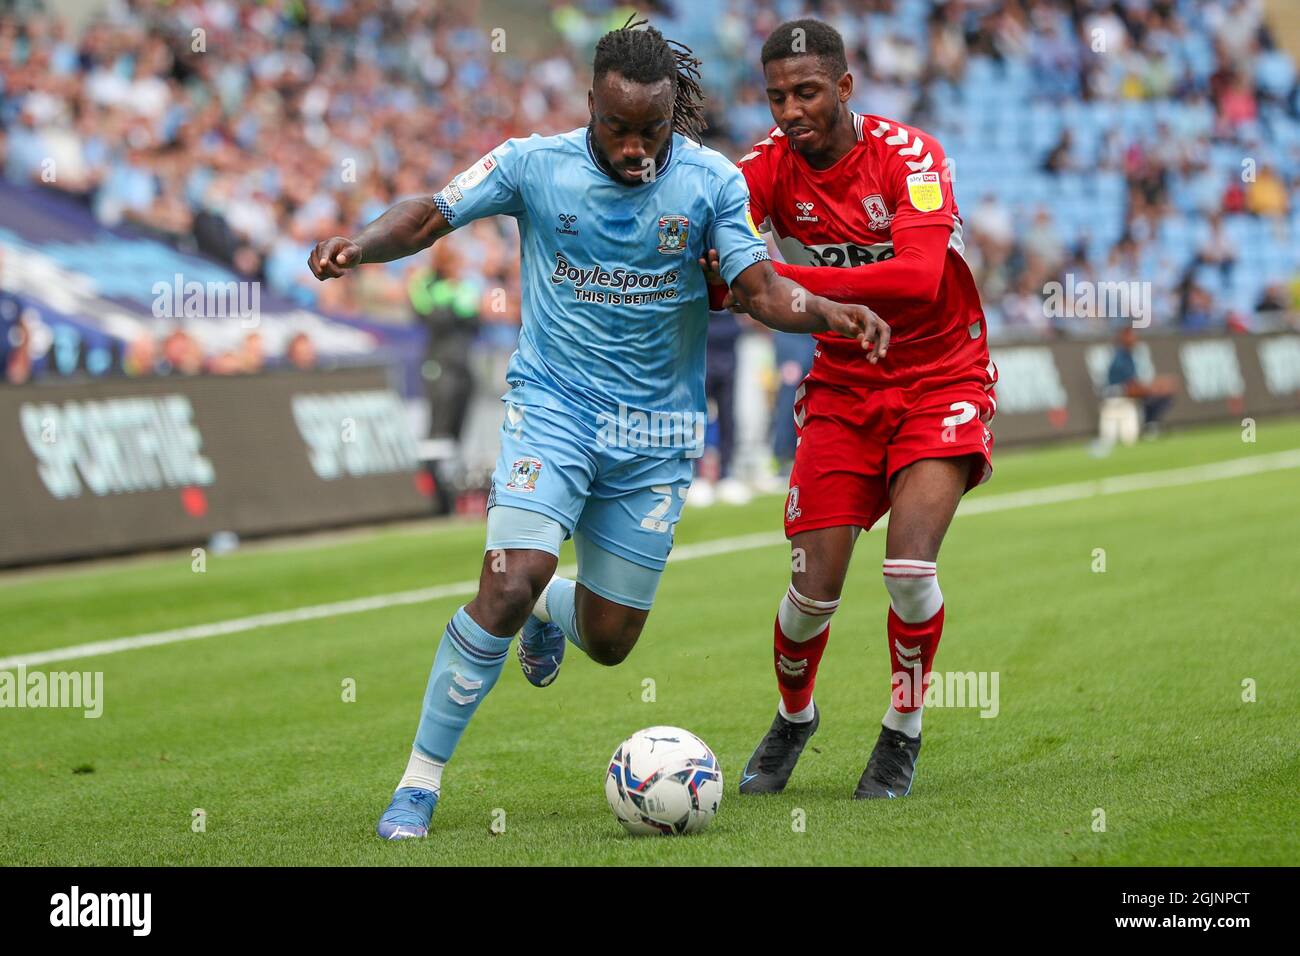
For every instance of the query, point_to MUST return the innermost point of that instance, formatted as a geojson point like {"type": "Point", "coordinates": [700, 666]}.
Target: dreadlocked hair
{"type": "Point", "coordinates": [640, 53]}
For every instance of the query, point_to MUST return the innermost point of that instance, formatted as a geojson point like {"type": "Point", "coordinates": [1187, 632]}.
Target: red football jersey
{"type": "Point", "coordinates": [895, 177]}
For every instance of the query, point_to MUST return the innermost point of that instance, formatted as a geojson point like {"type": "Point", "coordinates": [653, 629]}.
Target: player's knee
{"type": "Point", "coordinates": [506, 599]}
{"type": "Point", "coordinates": [802, 618]}
{"type": "Point", "coordinates": [921, 540]}
{"type": "Point", "coordinates": [819, 561]}
{"type": "Point", "coordinates": [913, 587]}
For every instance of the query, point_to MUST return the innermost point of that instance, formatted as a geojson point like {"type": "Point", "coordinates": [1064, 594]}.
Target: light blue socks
{"type": "Point", "coordinates": [466, 667]}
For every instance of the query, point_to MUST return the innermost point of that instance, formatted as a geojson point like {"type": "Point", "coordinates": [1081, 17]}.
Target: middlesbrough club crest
{"type": "Point", "coordinates": [879, 215]}
{"type": "Point", "coordinates": [672, 234]}
{"type": "Point", "coordinates": [792, 510]}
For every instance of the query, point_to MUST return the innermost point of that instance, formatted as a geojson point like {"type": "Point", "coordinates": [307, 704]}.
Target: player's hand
{"type": "Point", "coordinates": [712, 266]}
{"type": "Point", "coordinates": [859, 322]}
{"type": "Point", "coordinates": [333, 257]}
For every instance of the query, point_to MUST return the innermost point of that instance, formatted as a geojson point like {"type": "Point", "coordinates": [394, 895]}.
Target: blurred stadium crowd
{"type": "Point", "coordinates": [1107, 140]}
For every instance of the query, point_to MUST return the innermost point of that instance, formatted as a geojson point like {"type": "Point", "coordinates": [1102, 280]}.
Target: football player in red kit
{"type": "Point", "coordinates": [862, 210]}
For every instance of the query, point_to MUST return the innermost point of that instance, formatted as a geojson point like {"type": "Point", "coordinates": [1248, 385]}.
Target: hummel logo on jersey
{"type": "Point", "coordinates": [566, 224]}
{"type": "Point", "coordinates": [805, 212]}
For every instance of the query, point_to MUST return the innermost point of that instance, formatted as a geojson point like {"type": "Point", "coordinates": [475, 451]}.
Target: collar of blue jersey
{"type": "Point", "coordinates": [661, 163]}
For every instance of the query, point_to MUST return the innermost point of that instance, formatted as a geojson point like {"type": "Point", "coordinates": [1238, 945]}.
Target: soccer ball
{"type": "Point", "coordinates": [663, 780]}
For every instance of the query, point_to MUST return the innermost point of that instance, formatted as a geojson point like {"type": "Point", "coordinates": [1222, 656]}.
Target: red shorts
{"type": "Point", "coordinates": [854, 439]}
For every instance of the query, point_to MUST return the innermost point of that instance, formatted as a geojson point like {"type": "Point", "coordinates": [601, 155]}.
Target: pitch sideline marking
{"type": "Point", "coordinates": [1055, 494]}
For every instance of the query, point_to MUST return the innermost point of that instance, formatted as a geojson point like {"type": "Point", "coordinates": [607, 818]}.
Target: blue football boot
{"type": "Point", "coordinates": [408, 815]}
{"type": "Point", "coordinates": [540, 650]}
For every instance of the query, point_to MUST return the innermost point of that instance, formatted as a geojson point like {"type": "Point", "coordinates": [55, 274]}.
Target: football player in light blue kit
{"type": "Point", "coordinates": [605, 408]}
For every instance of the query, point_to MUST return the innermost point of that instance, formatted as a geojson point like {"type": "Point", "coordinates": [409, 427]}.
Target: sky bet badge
{"type": "Point", "coordinates": [672, 234]}
{"type": "Point", "coordinates": [924, 191]}
{"type": "Point", "coordinates": [523, 475]}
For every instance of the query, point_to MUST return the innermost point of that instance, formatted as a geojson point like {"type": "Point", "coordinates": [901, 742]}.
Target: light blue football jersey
{"type": "Point", "coordinates": [615, 306]}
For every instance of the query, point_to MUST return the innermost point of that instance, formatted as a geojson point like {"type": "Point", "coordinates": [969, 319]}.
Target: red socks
{"type": "Point", "coordinates": [799, 638]}
{"type": "Point", "coordinates": [796, 667]}
{"type": "Point", "coordinates": [911, 654]}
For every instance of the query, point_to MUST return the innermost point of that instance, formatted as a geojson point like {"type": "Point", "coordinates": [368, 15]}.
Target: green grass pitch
{"type": "Point", "coordinates": [1119, 691]}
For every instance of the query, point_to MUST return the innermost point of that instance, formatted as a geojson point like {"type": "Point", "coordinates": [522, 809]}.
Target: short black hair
{"type": "Point", "coordinates": [807, 37]}
{"type": "Point", "coordinates": [640, 53]}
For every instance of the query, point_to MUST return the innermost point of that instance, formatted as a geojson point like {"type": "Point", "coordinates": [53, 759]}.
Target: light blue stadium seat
{"type": "Point", "coordinates": [1210, 277]}
{"type": "Point", "coordinates": [980, 71]}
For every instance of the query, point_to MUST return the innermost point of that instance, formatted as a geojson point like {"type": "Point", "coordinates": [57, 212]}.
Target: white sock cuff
{"type": "Point", "coordinates": [422, 772]}
{"type": "Point", "coordinates": [909, 723]}
{"type": "Point", "coordinates": [540, 610]}
{"type": "Point", "coordinates": [913, 589]}
{"type": "Point", "coordinates": [802, 618]}
{"type": "Point", "coordinates": [804, 716]}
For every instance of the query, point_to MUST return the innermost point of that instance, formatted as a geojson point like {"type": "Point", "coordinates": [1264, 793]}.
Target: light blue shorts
{"type": "Point", "coordinates": [615, 502]}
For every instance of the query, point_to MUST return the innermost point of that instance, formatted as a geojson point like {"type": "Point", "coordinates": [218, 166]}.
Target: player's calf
{"type": "Point", "coordinates": [914, 626]}
{"type": "Point", "coordinates": [602, 613]}
{"type": "Point", "coordinates": [609, 630]}
{"type": "Point", "coordinates": [470, 655]}
{"type": "Point", "coordinates": [464, 671]}
{"type": "Point", "coordinates": [802, 628]}
{"type": "Point", "coordinates": [800, 634]}
{"type": "Point", "coordinates": [567, 612]}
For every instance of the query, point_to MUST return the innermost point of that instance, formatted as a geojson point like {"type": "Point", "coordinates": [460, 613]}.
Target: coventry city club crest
{"type": "Point", "coordinates": [672, 234]}
{"type": "Point", "coordinates": [523, 475]}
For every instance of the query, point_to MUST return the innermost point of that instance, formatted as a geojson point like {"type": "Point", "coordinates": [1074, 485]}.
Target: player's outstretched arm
{"type": "Point", "coordinates": [403, 230]}
{"type": "Point", "coordinates": [911, 277]}
{"type": "Point", "coordinates": [788, 307]}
